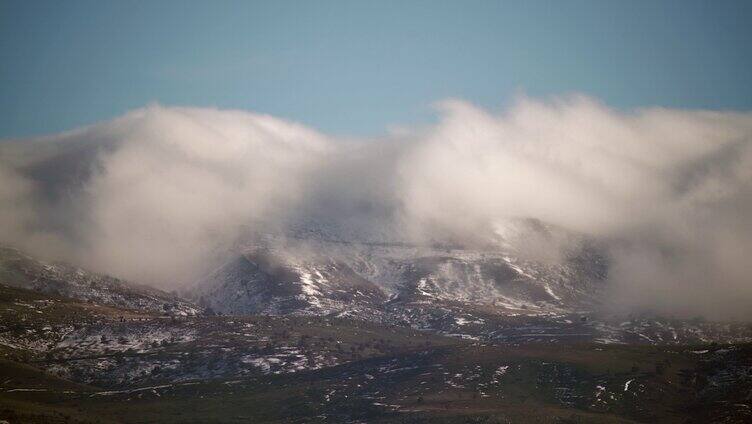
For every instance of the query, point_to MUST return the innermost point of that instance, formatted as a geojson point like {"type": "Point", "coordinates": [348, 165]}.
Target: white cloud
{"type": "Point", "coordinates": [161, 190]}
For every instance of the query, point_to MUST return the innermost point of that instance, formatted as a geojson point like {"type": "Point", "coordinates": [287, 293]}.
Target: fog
{"type": "Point", "coordinates": [159, 194]}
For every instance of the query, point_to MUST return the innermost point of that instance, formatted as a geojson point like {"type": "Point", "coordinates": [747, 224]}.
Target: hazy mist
{"type": "Point", "coordinates": [159, 193]}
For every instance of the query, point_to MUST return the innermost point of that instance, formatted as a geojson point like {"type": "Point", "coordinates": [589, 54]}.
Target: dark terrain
{"type": "Point", "coordinates": [78, 347]}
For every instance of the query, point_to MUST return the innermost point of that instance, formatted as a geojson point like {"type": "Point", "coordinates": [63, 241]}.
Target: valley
{"type": "Point", "coordinates": [80, 347]}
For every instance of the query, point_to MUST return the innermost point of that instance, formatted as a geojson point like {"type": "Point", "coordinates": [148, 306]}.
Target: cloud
{"type": "Point", "coordinates": [161, 190]}
{"type": "Point", "coordinates": [669, 191]}
{"type": "Point", "coordinates": [159, 193]}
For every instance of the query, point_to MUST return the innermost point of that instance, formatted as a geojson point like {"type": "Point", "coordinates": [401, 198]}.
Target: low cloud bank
{"type": "Point", "coordinates": [159, 194]}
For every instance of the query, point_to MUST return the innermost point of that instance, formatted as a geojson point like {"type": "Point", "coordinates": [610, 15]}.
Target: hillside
{"type": "Point", "coordinates": [66, 360]}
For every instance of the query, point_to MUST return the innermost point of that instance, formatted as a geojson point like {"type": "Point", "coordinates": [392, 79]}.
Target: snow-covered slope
{"type": "Point", "coordinates": [318, 273]}
{"type": "Point", "coordinates": [490, 295]}
{"type": "Point", "coordinates": [272, 283]}
{"type": "Point", "coordinates": [20, 270]}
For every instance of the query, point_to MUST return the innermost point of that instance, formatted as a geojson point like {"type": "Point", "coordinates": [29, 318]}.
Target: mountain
{"type": "Point", "coordinates": [67, 361]}
{"type": "Point", "coordinates": [314, 340]}
{"type": "Point", "coordinates": [326, 262]}
{"type": "Point", "coordinates": [61, 279]}
{"type": "Point", "coordinates": [261, 282]}
{"type": "Point", "coordinates": [485, 295]}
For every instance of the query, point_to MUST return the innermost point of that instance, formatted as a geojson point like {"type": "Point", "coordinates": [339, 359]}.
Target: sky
{"type": "Point", "coordinates": [361, 68]}
{"type": "Point", "coordinates": [200, 120]}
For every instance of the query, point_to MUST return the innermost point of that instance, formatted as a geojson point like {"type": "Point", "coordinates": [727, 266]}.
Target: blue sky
{"type": "Point", "coordinates": [357, 68]}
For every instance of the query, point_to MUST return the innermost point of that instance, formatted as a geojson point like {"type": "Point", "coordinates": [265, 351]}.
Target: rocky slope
{"type": "Point", "coordinates": [111, 355]}
{"type": "Point", "coordinates": [487, 295]}
{"type": "Point", "coordinates": [20, 270]}
{"type": "Point", "coordinates": [64, 361]}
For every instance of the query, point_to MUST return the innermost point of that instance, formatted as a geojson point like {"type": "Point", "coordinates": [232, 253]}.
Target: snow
{"type": "Point", "coordinates": [500, 372]}
{"type": "Point", "coordinates": [422, 288]}
{"type": "Point", "coordinates": [307, 284]}
{"type": "Point", "coordinates": [599, 390]}
{"type": "Point", "coordinates": [140, 389]}
{"type": "Point", "coordinates": [551, 293]}
{"type": "Point", "coordinates": [469, 320]}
